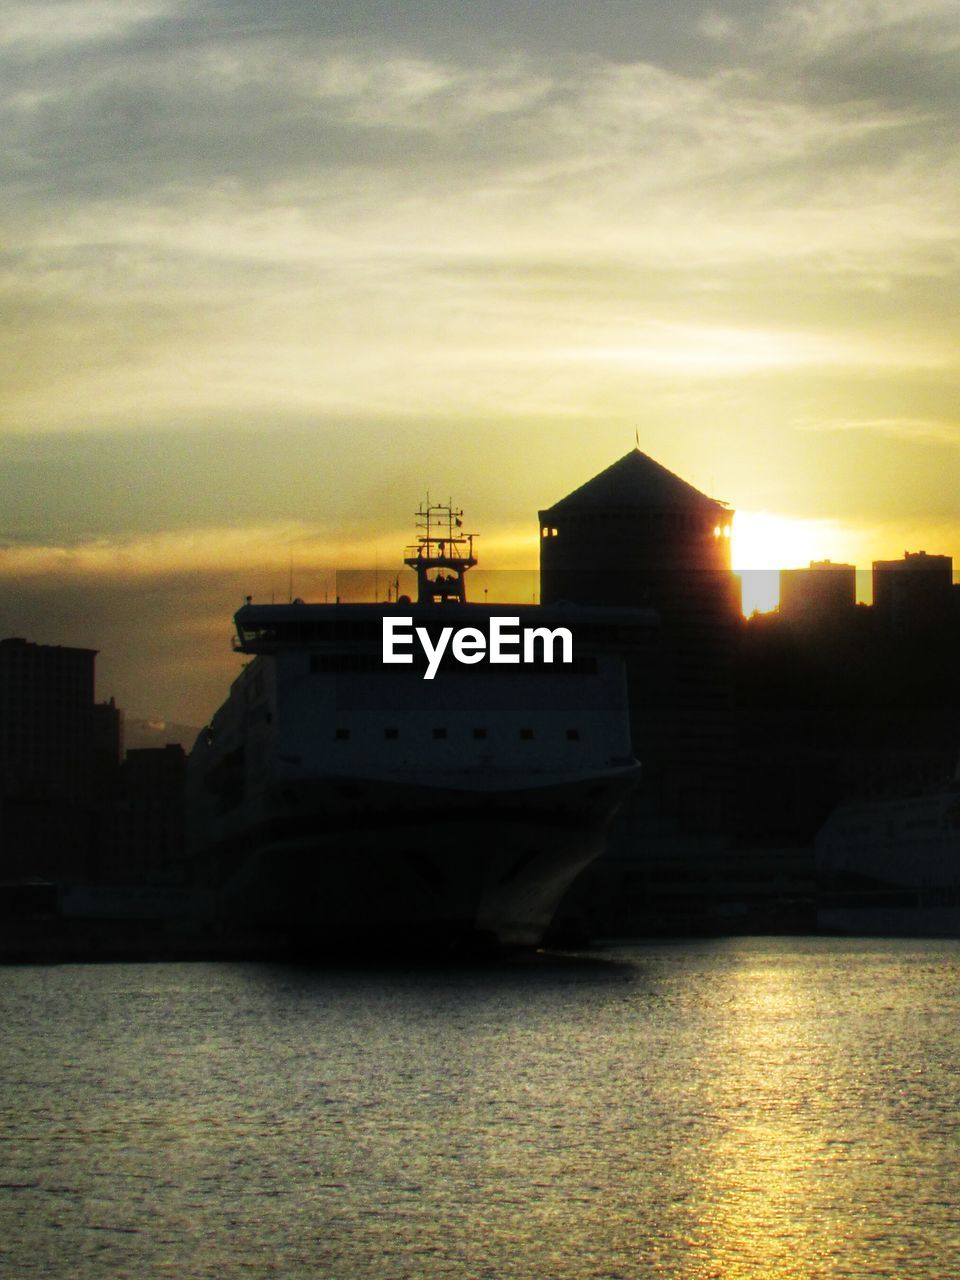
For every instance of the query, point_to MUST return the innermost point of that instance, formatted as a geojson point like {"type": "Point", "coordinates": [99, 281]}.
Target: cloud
{"type": "Point", "coordinates": [820, 25]}
{"type": "Point", "coordinates": [206, 138]}
{"type": "Point", "coordinates": [28, 29]}
{"type": "Point", "coordinates": [254, 549]}
{"type": "Point", "coordinates": [704, 350]}
{"type": "Point", "coordinates": [348, 291]}
{"type": "Point", "coordinates": [919, 430]}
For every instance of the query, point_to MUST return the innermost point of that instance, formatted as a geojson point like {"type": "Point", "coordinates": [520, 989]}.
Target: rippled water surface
{"type": "Point", "coordinates": [749, 1108]}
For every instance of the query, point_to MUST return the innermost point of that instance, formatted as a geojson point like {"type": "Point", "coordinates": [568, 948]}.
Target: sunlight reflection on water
{"type": "Point", "coordinates": [776, 1108]}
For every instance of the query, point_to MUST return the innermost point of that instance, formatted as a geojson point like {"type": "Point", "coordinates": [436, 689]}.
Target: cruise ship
{"type": "Point", "coordinates": [892, 867]}
{"type": "Point", "coordinates": [338, 801]}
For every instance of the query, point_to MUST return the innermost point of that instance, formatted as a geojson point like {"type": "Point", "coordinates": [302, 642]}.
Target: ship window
{"type": "Point", "coordinates": [341, 735]}
{"type": "Point", "coordinates": [526, 734]}
{"type": "Point", "coordinates": [573, 735]}
{"type": "Point", "coordinates": [391, 733]}
{"type": "Point", "coordinates": [479, 733]}
{"type": "Point", "coordinates": [439, 733]}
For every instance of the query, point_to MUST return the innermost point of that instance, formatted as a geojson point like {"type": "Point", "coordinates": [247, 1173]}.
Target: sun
{"type": "Point", "coordinates": [765, 543]}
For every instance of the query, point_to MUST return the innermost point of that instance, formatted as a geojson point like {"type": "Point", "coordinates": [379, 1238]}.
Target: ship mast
{"type": "Point", "coordinates": [442, 551]}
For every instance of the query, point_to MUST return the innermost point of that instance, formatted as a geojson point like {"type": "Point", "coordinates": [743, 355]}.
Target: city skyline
{"type": "Point", "coordinates": [270, 277]}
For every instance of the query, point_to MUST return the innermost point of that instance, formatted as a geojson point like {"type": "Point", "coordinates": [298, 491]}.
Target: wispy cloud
{"type": "Point", "coordinates": [253, 549]}
{"type": "Point", "coordinates": [820, 25]}
{"type": "Point", "coordinates": [919, 430]}
{"type": "Point", "coordinates": [698, 350]}
{"type": "Point", "coordinates": [28, 29]}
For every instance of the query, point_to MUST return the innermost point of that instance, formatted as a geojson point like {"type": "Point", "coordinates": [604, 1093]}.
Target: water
{"type": "Point", "coordinates": [748, 1108]}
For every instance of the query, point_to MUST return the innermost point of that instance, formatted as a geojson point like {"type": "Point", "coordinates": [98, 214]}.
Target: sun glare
{"type": "Point", "coordinates": [764, 543]}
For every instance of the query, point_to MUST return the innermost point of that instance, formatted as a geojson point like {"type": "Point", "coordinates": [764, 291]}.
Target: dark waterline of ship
{"type": "Point", "coordinates": [741, 1108]}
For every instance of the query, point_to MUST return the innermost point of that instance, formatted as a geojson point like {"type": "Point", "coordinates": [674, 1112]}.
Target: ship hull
{"type": "Point", "coordinates": [407, 869]}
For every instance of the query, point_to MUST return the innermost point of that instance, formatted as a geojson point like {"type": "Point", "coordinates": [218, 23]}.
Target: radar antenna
{"type": "Point", "coordinates": [441, 555]}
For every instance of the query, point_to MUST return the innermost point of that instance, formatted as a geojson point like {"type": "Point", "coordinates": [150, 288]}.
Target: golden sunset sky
{"type": "Point", "coordinates": [270, 272]}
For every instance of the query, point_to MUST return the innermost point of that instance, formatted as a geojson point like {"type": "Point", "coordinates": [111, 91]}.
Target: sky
{"type": "Point", "coordinates": [271, 273]}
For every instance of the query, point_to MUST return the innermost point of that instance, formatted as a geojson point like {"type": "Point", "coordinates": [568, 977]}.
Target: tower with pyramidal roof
{"type": "Point", "coordinates": [638, 535]}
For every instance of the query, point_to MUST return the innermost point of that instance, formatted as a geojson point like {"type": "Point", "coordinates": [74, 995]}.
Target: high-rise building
{"type": "Point", "coordinates": [913, 593]}
{"type": "Point", "coordinates": [148, 831]}
{"type": "Point", "coordinates": [47, 823]}
{"type": "Point", "coordinates": [825, 593]}
{"type": "Point", "coordinates": [46, 719]}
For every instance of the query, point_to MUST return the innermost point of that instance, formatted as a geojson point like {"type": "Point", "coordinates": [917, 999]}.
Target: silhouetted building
{"type": "Point", "coordinates": [823, 594]}
{"type": "Point", "coordinates": [148, 845]}
{"type": "Point", "coordinates": [107, 747]}
{"type": "Point", "coordinates": [46, 710]}
{"type": "Point", "coordinates": [638, 535]}
{"type": "Point", "coordinates": [108, 732]}
{"type": "Point", "coordinates": [913, 593]}
{"type": "Point", "coordinates": [47, 826]}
